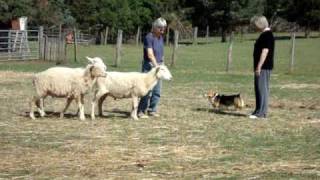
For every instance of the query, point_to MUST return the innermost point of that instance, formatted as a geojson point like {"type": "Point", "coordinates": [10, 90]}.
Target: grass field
{"type": "Point", "coordinates": [189, 140]}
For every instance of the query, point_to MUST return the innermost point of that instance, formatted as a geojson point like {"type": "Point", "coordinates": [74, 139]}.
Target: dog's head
{"type": "Point", "coordinates": [211, 95]}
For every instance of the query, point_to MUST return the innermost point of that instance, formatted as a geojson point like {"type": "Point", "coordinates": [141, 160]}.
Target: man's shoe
{"type": "Point", "coordinates": [154, 114]}
{"type": "Point", "coordinates": [253, 116]}
{"type": "Point", "coordinates": [142, 115]}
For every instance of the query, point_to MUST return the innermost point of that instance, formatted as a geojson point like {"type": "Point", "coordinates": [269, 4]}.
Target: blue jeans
{"type": "Point", "coordinates": [153, 95]}
{"type": "Point", "coordinates": [261, 89]}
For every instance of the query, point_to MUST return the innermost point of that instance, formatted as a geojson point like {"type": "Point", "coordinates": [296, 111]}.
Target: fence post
{"type": "Point", "coordinates": [45, 47]}
{"type": "Point", "coordinates": [59, 43]}
{"type": "Point", "coordinates": [41, 43]}
{"type": "Point", "coordinates": [175, 48]}
{"type": "Point", "coordinates": [106, 35]}
{"type": "Point", "coordinates": [75, 44]}
{"type": "Point", "coordinates": [168, 36]}
{"type": "Point", "coordinates": [229, 58]}
{"type": "Point", "coordinates": [101, 38]}
{"type": "Point", "coordinates": [293, 44]}
{"type": "Point", "coordinates": [138, 36]}
{"type": "Point", "coordinates": [207, 35]}
{"type": "Point", "coordinates": [55, 50]}
{"type": "Point", "coordinates": [9, 44]}
{"type": "Point", "coordinates": [118, 48]}
{"type": "Point", "coordinates": [195, 36]}
{"type": "Point", "coordinates": [65, 46]}
{"type": "Point", "coordinates": [49, 44]}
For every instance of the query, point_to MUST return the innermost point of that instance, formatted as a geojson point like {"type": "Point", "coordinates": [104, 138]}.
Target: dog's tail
{"type": "Point", "coordinates": [240, 102]}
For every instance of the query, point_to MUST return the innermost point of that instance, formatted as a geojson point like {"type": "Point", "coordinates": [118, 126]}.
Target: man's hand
{"type": "Point", "coordinates": [257, 71]}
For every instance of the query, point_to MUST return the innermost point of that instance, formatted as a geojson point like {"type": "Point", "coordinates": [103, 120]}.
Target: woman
{"type": "Point", "coordinates": [263, 56]}
{"type": "Point", "coordinates": [153, 55]}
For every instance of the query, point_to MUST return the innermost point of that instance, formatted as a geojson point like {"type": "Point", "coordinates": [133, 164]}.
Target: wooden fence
{"type": "Point", "coordinates": [51, 45]}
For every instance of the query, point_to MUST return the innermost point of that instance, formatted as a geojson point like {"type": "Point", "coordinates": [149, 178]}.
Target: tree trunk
{"type": "Point", "coordinates": [307, 31]}
{"type": "Point", "coordinates": [224, 36]}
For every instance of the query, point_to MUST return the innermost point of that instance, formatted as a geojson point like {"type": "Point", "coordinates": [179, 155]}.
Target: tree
{"type": "Point", "coordinates": [224, 14]}
{"type": "Point", "coordinates": [53, 12]}
{"type": "Point", "coordinates": [118, 14]}
{"type": "Point", "coordinates": [304, 12]}
{"type": "Point", "coordinates": [11, 9]}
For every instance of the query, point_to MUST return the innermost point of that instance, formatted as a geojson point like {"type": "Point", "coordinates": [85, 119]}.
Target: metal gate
{"type": "Point", "coordinates": [19, 45]}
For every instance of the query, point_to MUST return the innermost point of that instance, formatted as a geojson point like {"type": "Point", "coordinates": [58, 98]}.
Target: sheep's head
{"type": "Point", "coordinates": [162, 72]}
{"type": "Point", "coordinates": [97, 67]}
{"type": "Point", "coordinates": [97, 61]}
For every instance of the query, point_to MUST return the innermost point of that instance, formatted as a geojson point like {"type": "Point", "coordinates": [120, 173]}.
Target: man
{"type": "Point", "coordinates": [263, 64]}
{"type": "Point", "coordinates": [152, 57]}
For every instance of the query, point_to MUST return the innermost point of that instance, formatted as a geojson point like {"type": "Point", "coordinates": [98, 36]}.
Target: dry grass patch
{"type": "Point", "coordinates": [189, 140]}
{"type": "Point", "coordinates": [11, 76]}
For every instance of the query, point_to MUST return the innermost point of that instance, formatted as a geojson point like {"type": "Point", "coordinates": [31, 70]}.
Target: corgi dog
{"type": "Point", "coordinates": [217, 100]}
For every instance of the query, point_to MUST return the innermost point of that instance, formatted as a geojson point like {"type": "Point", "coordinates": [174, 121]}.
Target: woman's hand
{"type": "Point", "coordinates": [257, 71]}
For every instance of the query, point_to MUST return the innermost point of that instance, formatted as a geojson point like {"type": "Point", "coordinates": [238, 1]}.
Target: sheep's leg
{"type": "Point", "coordinates": [32, 102]}
{"type": "Point", "coordinates": [41, 107]}
{"type": "Point", "coordinates": [96, 97]}
{"type": "Point", "coordinates": [69, 100]}
{"type": "Point", "coordinates": [81, 107]}
{"type": "Point", "coordinates": [135, 102]}
{"type": "Point", "coordinates": [100, 102]}
{"type": "Point", "coordinates": [39, 103]}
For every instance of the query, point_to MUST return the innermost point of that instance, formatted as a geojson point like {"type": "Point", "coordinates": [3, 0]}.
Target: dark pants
{"type": "Point", "coordinates": [261, 88]}
{"type": "Point", "coordinates": [153, 96]}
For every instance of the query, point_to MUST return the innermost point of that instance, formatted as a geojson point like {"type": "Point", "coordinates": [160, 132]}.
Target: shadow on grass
{"type": "Point", "coordinates": [123, 114]}
{"type": "Point", "coordinates": [110, 114]}
{"type": "Point", "coordinates": [228, 113]}
{"type": "Point", "coordinates": [51, 114]}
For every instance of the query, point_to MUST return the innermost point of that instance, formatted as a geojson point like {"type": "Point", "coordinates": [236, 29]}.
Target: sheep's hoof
{"type": "Point", "coordinates": [135, 118]}
{"type": "Point", "coordinates": [42, 113]}
{"type": "Point", "coordinates": [82, 118]}
{"type": "Point", "coordinates": [61, 115]}
{"type": "Point", "coordinates": [32, 116]}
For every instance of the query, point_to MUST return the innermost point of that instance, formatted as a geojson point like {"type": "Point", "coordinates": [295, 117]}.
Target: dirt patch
{"type": "Point", "coordinates": [11, 76]}
{"type": "Point", "coordinates": [313, 121]}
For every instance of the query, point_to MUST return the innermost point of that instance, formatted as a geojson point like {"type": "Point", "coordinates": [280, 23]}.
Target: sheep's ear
{"type": "Point", "coordinates": [157, 69]}
{"type": "Point", "coordinates": [90, 60]}
{"type": "Point", "coordinates": [91, 69]}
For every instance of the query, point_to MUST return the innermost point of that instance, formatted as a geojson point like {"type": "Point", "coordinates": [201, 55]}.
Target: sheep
{"type": "Point", "coordinates": [69, 83]}
{"type": "Point", "coordinates": [127, 85]}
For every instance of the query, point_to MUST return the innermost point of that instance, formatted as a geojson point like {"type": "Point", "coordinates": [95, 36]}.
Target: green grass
{"type": "Point", "coordinates": [189, 140]}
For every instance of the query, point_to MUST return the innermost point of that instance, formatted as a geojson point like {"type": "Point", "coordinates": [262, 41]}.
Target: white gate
{"type": "Point", "coordinates": [19, 45]}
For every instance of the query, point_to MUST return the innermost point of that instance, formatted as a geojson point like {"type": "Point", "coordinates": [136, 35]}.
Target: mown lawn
{"type": "Point", "coordinates": [189, 140]}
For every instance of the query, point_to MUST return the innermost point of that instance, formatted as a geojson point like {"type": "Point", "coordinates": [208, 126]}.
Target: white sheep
{"type": "Point", "coordinates": [127, 85]}
{"type": "Point", "coordinates": [69, 83]}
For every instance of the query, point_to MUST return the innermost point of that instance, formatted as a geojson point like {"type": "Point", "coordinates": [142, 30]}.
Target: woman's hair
{"type": "Point", "coordinates": [160, 22]}
{"type": "Point", "coordinates": [260, 22]}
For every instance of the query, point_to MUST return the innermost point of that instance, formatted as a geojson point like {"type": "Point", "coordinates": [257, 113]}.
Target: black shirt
{"type": "Point", "coordinates": [265, 40]}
